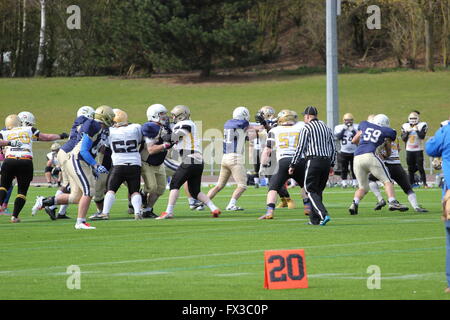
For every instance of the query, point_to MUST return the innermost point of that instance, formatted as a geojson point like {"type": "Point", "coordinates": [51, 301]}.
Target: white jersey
{"type": "Point", "coordinates": [284, 140]}
{"type": "Point", "coordinates": [26, 135]}
{"type": "Point", "coordinates": [299, 125]}
{"type": "Point", "coordinates": [394, 158]}
{"type": "Point", "coordinates": [52, 157]}
{"type": "Point", "coordinates": [187, 137]}
{"type": "Point", "coordinates": [414, 142]}
{"type": "Point", "coordinates": [124, 143]}
{"type": "Point", "coordinates": [346, 141]}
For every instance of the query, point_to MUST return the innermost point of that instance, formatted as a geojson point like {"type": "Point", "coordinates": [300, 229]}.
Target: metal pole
{"type": "Point", "coordinates": [332, 64]}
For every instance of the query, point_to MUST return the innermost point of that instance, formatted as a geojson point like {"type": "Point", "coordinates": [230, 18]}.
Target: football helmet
{"type": "Point", "coordinates": [413, 118]}
{"type": "Point", "coordinates": [105, 115]}
{"type": "Point", "coordinates": [370, 118]}
{"type": "Point", "coordinates": [27, 119]}
{"type": "Point", "coordinates": [157, 113]}
{"type": "Point", "coordinates": [120, 118]}
{"type": "Point", "coordinates": [180, 113]}
{"type": "Point", "coordinates": [437, 163]}
{"type": "Point", "coordinates": [12, 121]}
{"type": "Point", "coordinates": [286, 117]}
{"type": "Point", "coordinates": [55, 147]}
{"type": "Point", "coordinates": [241, 113]}
{"type": "Point", "coordinates": [348, 119]}
{"type": "Point", "coordinates": [268, 112]}
{"type": "Point", "coordinates": [381, 120]}
{"type": "Point", "coordinates": [86, 111]}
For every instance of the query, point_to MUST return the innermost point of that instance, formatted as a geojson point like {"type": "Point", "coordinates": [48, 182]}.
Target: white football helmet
{"type": "Point", "coordinates": [413, 118]}
{"type": "Point", "coordinates": [241, 113]}
{"type": "Point", "coordinates": [381, 120]}
{"type": "Point", "coordinates": [157, 113]}
{"type": "Point", "coordinates": [86, 111]}
{"type": "Point", "coordinates": [27, 119]}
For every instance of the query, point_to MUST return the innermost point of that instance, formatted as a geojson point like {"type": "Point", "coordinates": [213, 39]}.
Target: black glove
{"type": "Point", "coordinates": [259, 118]}
{"type": "Point", "coordinates": [63, 135]}
{"type": "Point", "coordinates": [166, 134]}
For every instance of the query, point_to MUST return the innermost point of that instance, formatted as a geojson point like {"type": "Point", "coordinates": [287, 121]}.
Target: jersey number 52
{"type": "Point", "coordinates": [125, 146]}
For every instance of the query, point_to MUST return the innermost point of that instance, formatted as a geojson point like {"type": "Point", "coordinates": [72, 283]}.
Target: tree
{"type": "Point", "coordinates": [427, 7]}
{"type": "Point", "coordinates": [40, 59]}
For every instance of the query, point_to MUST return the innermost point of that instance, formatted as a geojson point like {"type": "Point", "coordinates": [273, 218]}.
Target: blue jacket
{"type": "Point", "coordinates": [439, 146]}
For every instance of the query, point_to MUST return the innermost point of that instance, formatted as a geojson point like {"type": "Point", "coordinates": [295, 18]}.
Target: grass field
{"type": "Point", "coordinates": [196, 257]}
{"type": "Point", "coordinates": [54, 101]}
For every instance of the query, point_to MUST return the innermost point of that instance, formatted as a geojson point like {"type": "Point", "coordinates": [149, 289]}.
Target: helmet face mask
{"type": "Point", "coordinates": [180, 113]}
{"type": "Point", "coordinates": [12, 121]}
{"type": "Point", "coordinates": [241, 113]}
{"type": "Point", "coordinates": [86, 111]}
{"type": "Point", "coordinates": [413, 118]}
{"type": "Point", "coordinates": [105, 115]}
{"type": "Point", "coordinates": [27, 119]}
{"type": "Point", "coordinates": [348, 119]}
{"type": "Point", "coordinates": [157, 113]}
{"type": "Point", "coordinates": [268, 112]}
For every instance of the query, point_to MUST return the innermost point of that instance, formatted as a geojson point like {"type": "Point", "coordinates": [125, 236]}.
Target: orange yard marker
{"type": "Point", "coordinates": [285, 269]}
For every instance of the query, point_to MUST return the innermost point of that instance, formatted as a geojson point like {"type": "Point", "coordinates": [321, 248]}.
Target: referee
{"type": "Point", "coordinates": [316, 145]}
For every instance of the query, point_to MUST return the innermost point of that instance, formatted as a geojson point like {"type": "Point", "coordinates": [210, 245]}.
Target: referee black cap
{"type": "Point", "coordinates": [310, 110]}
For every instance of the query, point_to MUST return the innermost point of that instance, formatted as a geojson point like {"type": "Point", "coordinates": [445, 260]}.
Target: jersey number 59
{"type": "Point", "coordinates": [371, 135]}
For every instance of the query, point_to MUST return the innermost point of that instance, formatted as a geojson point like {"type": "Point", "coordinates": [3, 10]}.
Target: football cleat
{"type": "Point", "coordinates": [307, 208]}
{"type": "Point", "coordinates": [267, 216]}
{"type": "Point", "coordinates": [420, 209]}
{"type": "Point", "coordinates": [195, 204]}
{"type": "Point", "coordinates": [165, 215]}
{"type": "Point", "coordinates": [99, 216]}
{"type": "Point", "coordinates": [325, 221]}
{"type": "Point", "coordinates": [215, 213]}
{"type": "Point", "coordinates": [149, 214]}
{"type": "Point", "coordinates": [380, 204]}
{"type": "Point", "coordinates": [200, 207]}
{"type": "Point", "coordinates": [233, 208]}
{"type": "Point", "coordinates": [51, 213]}
{"type": "Point", "coordinates": [283, 203]}
{"type": "Point", "coordinates": [353, 209]}
{"type": "Point", "coordinates": [290, 204]}
{"type": "Point", "coordinates": [395, 205]}
{"type": "Point", "coordinates": [84, 225]}
{"type": "Point", "coordinates": [37, 205]}
{"type": "Point", "coordinates": [138, 216]}
{"type": "Point", "coordinates": [14, 219]}
{"type": "Point", "coordinates": [62, 216]}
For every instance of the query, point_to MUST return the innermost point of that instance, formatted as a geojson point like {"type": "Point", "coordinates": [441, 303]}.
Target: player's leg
{"type": "Point", "coordinates": [299, 177]}
{"type": "Point", "coordinates": [178, 179]}
{"type": "Point", "coordinates": [373, 185]}
{"type": "Point", "coordinates": [8, 172]}
{"type": "Point", "coordinates": [362, 171]}
{"type": "Point", "coordinates": [344, 167]}
{"type": "Point", "coordinates": [420, 167]}
{"type": "Point", "coordinates": [133, 178]}
{"type": "Point", "coordinates": [316, 176]}
{"type": "Point", "coordinates": [194, 185]}
{"type": "Point", "coordinates": [48, 175]}
{"type": "Point", "coordinates": [224, 176]}
{"type": "Point", "coordinates": [24, 178]}
{"type": "Point", "coordinates": [158, 189]}
{"type": "Point", "coordinates": [380, 171]}
{"type": "Point", "coordinates": [411, 163]}
{"type": "Point", "coordinates": [240, 177]}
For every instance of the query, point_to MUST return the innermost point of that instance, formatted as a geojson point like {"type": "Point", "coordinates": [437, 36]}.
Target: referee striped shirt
{"type": "Point", "coordinates": [316, 140]}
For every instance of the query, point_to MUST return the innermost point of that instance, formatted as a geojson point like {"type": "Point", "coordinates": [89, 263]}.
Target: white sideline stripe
{"type": "Point", "coordinates": [8, 272]}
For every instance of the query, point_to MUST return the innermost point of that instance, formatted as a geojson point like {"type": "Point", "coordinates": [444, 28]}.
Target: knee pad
{"type": "Point", "coordinates": [243, 186]}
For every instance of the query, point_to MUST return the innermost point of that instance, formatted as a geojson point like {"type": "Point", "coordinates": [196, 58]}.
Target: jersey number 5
{"type": "Point", "coordinates": [371, 135]}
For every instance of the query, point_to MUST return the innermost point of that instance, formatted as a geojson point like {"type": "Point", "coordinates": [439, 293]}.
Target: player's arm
{"type": "Point", "coordinates": [154, 148]}
{"type": "Point", "coordinates": [357, 137]}
{"type": "Point", "coordinates": [405, 134]}
{"type": "Point", "coordinates": [86, 145]}
{"type": "Point", "coordinates": [339, 132]}
{"type": "Point", "coordinates": [433, 146]}
{"type": "Point", "coordinates": [50, 136]}
{"type": "Point", "coordinates": [388, 147]}
{"type": "Point", "coordinates": [422, 132]}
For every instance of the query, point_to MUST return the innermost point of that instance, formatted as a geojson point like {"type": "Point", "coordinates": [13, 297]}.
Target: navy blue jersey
{"type": "Point", "coordinates": [234, 136]}
{"type": "Point", "coordinates": [73, 137]}
{"type": "Point", "coordinates": [95, 132]}
{"type": "Point", "coordinates": [372, 137]}
{"type": "Point", "coordinates": [151, 132]}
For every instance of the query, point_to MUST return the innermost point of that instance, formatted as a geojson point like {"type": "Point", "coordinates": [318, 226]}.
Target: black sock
{"type": "Point", "coordinates": [271, 205]}
{"type": "Point", "coordinates": [48, 202]}
{"type": "Point", "coordinates": [18, 205]}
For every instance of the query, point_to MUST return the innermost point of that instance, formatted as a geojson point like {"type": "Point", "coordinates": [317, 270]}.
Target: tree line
{"type": "Point", "coordinates": [142, 37]}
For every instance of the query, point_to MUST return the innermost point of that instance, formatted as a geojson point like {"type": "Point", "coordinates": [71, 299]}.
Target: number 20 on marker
{"type": "Point", "coordinates": [285, 269]}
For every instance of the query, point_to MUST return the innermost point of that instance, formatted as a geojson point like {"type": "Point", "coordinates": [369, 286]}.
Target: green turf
{"type": "Point", "coordinates": [54, 101]}
{"type": "Point", "coordinates": [197, 257]}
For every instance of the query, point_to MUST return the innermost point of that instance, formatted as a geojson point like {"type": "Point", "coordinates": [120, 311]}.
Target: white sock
{"type": "Point", "coordinates": [376, 191]}
{"type": "Point", "coordinates": [211, 205]}
{"type": "Point", "coordinates": [232, 202]}
{"type": "Point", "coordinates": [256, 180]}
{"type": "Point", "coordinates": [356, 200]}
{"type": "Point", "coordinates": [108, 202]}
{"type": "Point", "coordinates": [191, 201]}
{"type": "Point", "coordinates": [170, 208]}
{"type": "Point", "coordinates": [412, 198]}
{"type": "Point", "coordinates": [57, 193]}
{"type": "Point", "coordinates": [391, 199]}
{"type": "Point", "coordinates": [63, 209]}
{"type": "Point", "coordinates": [81, 220]}
{"type": "Point", "coordinates": [136, 201]}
